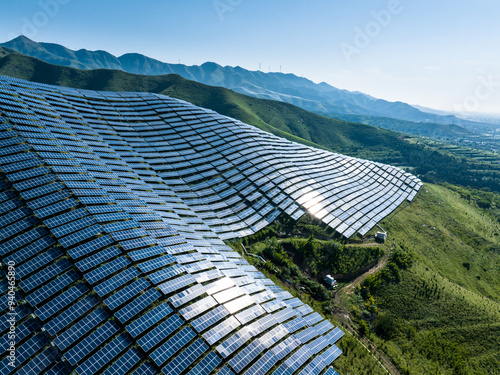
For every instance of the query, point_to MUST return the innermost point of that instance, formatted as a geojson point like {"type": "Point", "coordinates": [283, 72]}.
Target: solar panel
{"type": "Point", "coordinates": [116, 281]}
{"type": "Point", "coordinates": [38, 262]}
{"type": "Point", "coordinates": [91, 342]}
{"type": "Point", "coordinates": [198, 307]}
{"type": "Point", "coordinates": [161, 332]}
{"type": "Point", "coordinates": [172, 346]}
{"type": "Point", "coordinates": [78, 330]}
{"type": "Point", "coordinates": [108, 269]}
{"type": "Point", "coordinates": [161, 182]}
{"type": "Point", "coordinates": [186, 358]}
{"type": "Point", "coordinates": [71, 314]}
{"type": "Point", "coordinates": [210, 318]}
{"type": "Point", "coordinates": [137, 305]}
{"type": "Point", "coordinates": [51, 288]}
{"type": "Point", "coordinates": [38, 364]}
{"type": "Point", "coordinates": [286, 347]}
{"type": "Point", "coordinates": [104, 355]}
{"type": "Point", "coordinates": [125, 363]}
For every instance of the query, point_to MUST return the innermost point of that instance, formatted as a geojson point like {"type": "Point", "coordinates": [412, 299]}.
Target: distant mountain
{"type": "Point", "coordinates": [283, 119]}
{"type": "Point", "coordinates": [320, 98]}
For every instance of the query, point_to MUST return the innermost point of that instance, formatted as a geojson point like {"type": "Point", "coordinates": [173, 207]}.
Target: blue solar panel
{"type": "Point", "coordinates": [71, 314]}
{"type": "Point", "coordinates": [28, 242]}
{"type": "Point", "coordinates": [314, 368]}
{"type": "Point", "coordinates": [17, 227]}
{"type": "Point", "coordinates": [106, 270]}
{"type": "Point", "coordinates": [44, 275]}
{"type": "Point", "coordinates": [206, 365]}
{"type": "Point", "coordinates": [80, 236]}
{"type": "Point", "coordinates": [90, 247]}
{"type": "Point", "coordinates": [153, 338]}
{"type": "Point", "coordinates": [73, 226]}
{"type": "Point", "coordinates": [331, 371]}
{"type": "Point", "coordinates": [157, 263]}
{"type": "Point", "coordinates": [30, 347]}
{"type": "Point", "coordinates": [38, 364]}
{"type": "Point", "coordinates": [285, 348]}
{"type": "Point", "coordinates": [331, 354]}
{"type": "Point", "coordinates": [172, 346]}
{"type": "Point", "coordinates": [186, 358]}
{"type": "Point", "coordinates": [145, 369]}
{"type": "Point", "coordinates": [148, 320]}
{"type": "Point", "coordinates": [34, 182]}
{"type": "Point", "coordinates": [177, 283]}
{"type": "Point", "coordinates": [137, 305]}
{"type": "Point", "coordinates": [61, 301]}
{"type": "Point", "coordinates": [78, 330]}
{"type": "Point", "coordinates": [124, 363]}
{"type": "Point", "coordinates": [51, 288]}
{"type": "Point", "coordinates": [126, 293]}
{"type": "Point", "coordinates": [225, 371]}
{"type": "Point", "coordinates": [38, 262]}
{"type": "Point", "coordinates": [91, 342]}
{"type": "Point", "coordinates": [49, 199]}
{"type": "Point", "coordinates": [99, 258]}
{"type": "Point", "coordinates": [104, 356]}
{"type": "Point", "coordinates": [246, 355]}
{"type": "Point", "coordinates": [23, 330]}
{"type": "Point", "coordinates": [116, 281]}
{"type": "Point", "coordinates": [56, 208]}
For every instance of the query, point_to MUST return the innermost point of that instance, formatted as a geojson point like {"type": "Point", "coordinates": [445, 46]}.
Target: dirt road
{"type": "Point", "coordinates": [343, 315]}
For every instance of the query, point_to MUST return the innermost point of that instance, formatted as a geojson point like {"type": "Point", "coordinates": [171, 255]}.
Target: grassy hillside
{"type": "Point", "coordinates": [445, 308]}
{"type": "Point", "coordinates": [433, 309]}
{"type": "Point", "coordinates": [277, 117]}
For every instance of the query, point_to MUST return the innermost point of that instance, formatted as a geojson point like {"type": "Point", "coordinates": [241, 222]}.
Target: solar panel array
{"type": "Point", "coordinates": [114, 208]}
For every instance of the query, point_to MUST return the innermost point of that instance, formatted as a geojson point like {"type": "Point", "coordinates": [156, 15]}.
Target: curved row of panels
{"type": "Point", "coordinates": [113, 211]}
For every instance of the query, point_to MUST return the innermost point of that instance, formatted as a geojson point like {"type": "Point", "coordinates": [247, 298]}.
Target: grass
{"type": "Point", "coordinates": [446, 232]}
{"type": "Point", "coordinates": [448, 302]}
{"type": "Point", "coordinates": [445, 308]}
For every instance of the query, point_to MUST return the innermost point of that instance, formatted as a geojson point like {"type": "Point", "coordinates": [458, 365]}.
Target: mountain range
{"type": "Point", "coordinates": [277, 117]}
{"type": "Point", "coordinates": [320, 98]}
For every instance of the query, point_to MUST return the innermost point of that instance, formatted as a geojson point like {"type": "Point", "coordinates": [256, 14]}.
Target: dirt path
{"type": "Point", "coordinates": [343, 315]}
{"type": "Point", "coordinates": [349, 289]}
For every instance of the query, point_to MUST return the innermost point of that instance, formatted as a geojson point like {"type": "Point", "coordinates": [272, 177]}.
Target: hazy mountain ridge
{"type": "Point", "coordinates": [319, 98]}
{"type": "Point", "coordinates": [280, 118]}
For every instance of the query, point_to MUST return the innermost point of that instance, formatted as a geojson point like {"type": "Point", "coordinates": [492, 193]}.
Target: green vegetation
{"type": "Point", "coordinates": [305, 244]}
{"type": "Point", "coordinates": [285, 120]}
{"type": "Point", "coordinates": [306, 282]}
{"type": "Point", "coordinates": [456, 136]}
{"type": "Point", "coordinates": [435, 306]}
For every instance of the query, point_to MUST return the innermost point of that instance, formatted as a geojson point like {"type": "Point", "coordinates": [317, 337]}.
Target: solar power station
{"type": "Point", "coordinates": [114, 208]}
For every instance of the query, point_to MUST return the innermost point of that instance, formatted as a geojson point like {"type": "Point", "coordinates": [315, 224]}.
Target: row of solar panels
{"type": "Point", "coordinates": [239, 219]}
{"type": "Point", "coordinates": [94, 249]}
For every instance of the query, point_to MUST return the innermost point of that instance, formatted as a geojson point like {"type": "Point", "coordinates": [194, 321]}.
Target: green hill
{"type": "Point", "coordinates": [435, 307]}
{"type": "Point", "coordinates": [286, 120]}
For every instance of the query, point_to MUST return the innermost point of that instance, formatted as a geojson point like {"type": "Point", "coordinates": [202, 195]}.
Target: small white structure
{"type": "Point", "coordinates": [330, 281]}
{"type": "Point", "coordinates": [381, 236]}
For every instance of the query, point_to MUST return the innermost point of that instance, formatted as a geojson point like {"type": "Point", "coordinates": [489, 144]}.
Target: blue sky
{"type": "Point", "coordinates": [441, 54]}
